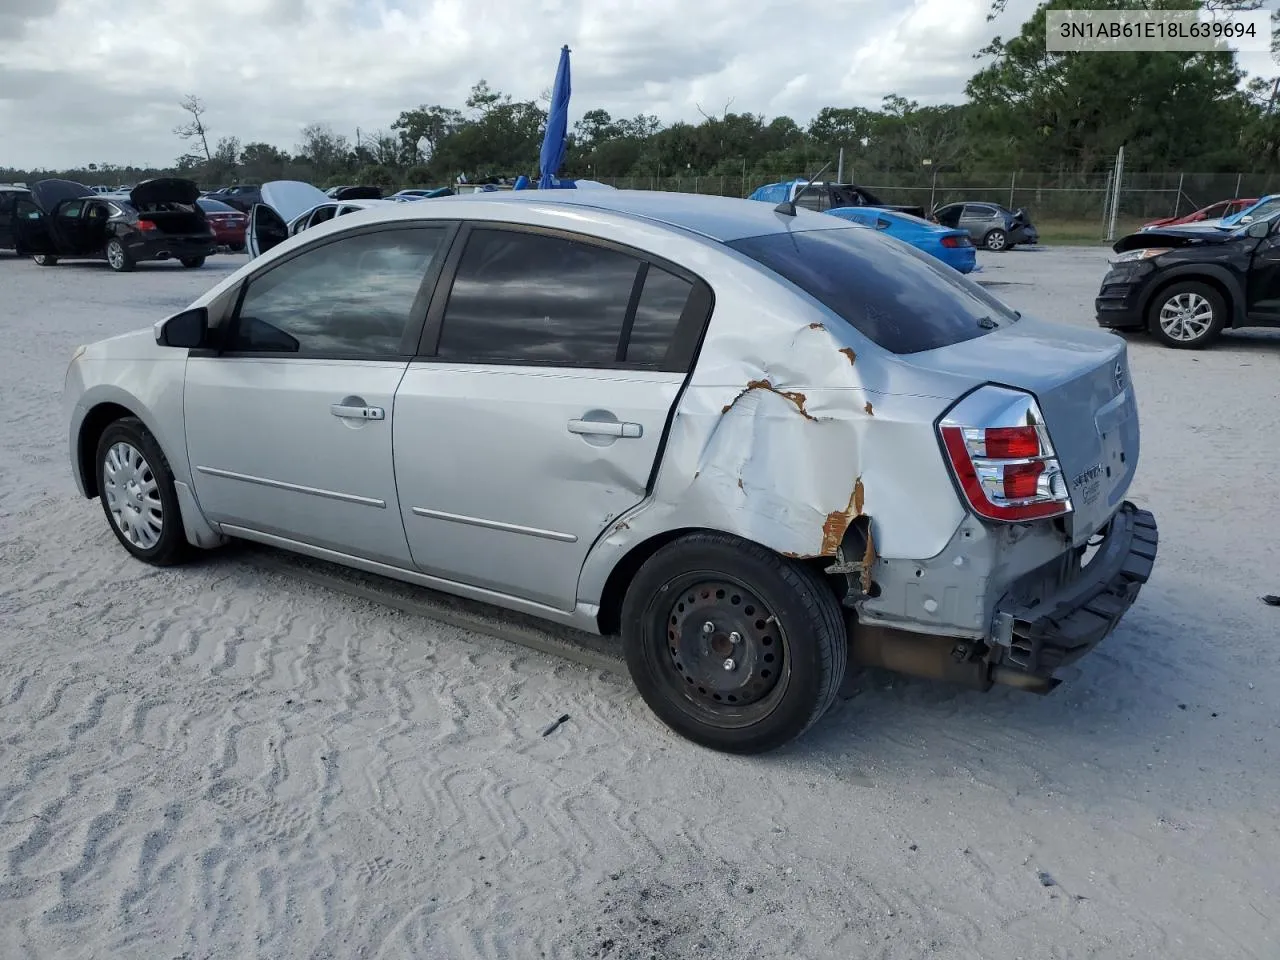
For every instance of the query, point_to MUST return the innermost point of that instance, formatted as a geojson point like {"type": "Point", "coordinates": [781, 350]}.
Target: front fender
{"type": "Point", "coordinates": [1194, 271]}
{"type": "Point", "coordinates": [150, 390]}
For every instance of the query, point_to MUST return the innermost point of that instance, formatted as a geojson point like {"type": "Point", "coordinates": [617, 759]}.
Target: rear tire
{"type": "Point", "coordinates": [1187, 315]}
{"type": "Point", "coordinates": [772, 661]}
{"type": "Point", "coordinates": [118, 258]}
{"type": "Point", "coordinates": [45, 260]}
{"type": "Point", "coordinates": [138, 497]}
{"type": "Point", "coordinates": [997, 241]}
{"type": "Point", "coordinates": [192, 263]}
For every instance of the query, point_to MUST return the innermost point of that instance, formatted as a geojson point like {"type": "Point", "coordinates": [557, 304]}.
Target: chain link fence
{"type": "Point", "coordinates": [1075, 204]}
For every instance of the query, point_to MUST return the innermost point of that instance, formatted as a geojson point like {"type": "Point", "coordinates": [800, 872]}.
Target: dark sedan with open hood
{"type": "Point", "coordinates": [160, 220]}
{"type": "Point", "coordinates": [1185, 285]}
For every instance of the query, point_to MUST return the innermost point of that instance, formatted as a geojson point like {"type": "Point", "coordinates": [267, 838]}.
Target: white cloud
{"type": "Point", "coordinates": [99, 80]}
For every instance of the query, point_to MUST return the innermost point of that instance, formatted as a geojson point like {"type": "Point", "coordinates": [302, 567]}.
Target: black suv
{"type": "Point", "coordinates": [1186, 284]}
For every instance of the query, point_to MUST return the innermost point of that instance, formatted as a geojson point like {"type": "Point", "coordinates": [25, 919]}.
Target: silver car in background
{"type": "Point", "coordinates": [753, 443]}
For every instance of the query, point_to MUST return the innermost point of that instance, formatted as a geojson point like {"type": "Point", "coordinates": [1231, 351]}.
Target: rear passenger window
{"type": "Point", "coordinates": [658, 313]}
{"type": "Point", "coordinates": [354, 297]}
{"type": "Point", "coordinates": [529, 298]}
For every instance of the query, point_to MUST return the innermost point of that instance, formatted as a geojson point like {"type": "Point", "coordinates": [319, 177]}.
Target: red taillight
{"type": "Point", "coordinates": [145, 225]}
{"type": "Point", "coordinates": [1011, 443]}
{"type": "Point", "coordinates": [1008, 473]}
{"type": "Point", "coordinates": [955, 241]}
{"type": "Point", "coordinates": [1021, 479]}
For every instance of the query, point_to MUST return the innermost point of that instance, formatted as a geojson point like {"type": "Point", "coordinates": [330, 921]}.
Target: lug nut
{"type": "Point", "coordinates": [735, 638]}
{"type": "Point", "coordinates": [730, 664]}
{"type": "Point", "coordinates": [708, 627]}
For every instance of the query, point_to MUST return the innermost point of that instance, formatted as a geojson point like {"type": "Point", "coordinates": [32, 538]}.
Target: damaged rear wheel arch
{"type": "Point", "coordinates": [609, 619]}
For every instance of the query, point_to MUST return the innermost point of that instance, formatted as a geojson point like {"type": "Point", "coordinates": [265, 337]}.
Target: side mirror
{"type": "Point", "coordinates": [188, 329]}
{"type": "Point", "coordinates": [1258, 229]}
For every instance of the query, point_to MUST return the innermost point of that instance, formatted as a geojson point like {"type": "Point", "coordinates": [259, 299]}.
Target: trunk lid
{"type": "Point", "coordinates": [47, 194]}
{"type": "Point", "coordinates": [162, 190]}
{"type": "Point", "coordinates": [1080, 379]}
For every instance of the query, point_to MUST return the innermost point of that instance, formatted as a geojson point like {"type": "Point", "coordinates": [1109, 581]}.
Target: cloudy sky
{"type": "Point", "coordinates": [86, 81]}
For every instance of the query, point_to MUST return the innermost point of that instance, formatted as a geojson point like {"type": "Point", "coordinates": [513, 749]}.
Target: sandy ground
{"type": "Point", "coordinates": [230, 761]}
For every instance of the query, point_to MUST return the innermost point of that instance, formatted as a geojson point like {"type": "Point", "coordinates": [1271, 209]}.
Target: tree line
{"type": "Point", "coordinates": [1025, 109]}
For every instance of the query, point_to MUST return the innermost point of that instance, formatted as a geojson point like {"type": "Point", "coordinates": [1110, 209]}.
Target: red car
{"type": "Point", "coordinates": [1215, 211]}
{"type": "Point", "coordinates": [228, 223]}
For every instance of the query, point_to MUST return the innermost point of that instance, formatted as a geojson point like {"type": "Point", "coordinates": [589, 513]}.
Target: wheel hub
{"type": "Point", "coordinates": [723, 643]}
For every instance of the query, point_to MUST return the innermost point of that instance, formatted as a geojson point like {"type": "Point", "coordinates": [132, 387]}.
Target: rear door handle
{"type": "Point", "coordinates": [347, 412]}
{"type": "Point", "coordinates": [606, 428]}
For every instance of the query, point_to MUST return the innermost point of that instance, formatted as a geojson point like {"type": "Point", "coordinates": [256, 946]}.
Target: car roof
{"type": "Point", "coordinates": [717, 218]}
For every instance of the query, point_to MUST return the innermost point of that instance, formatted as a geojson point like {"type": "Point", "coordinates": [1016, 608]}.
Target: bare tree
{"type": "Point", "coordinates": [194, 129]}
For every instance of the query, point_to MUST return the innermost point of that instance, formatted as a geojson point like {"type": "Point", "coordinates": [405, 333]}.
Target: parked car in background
{"type": "Point", "coordinates": [228, 223]}
{"type": "Point", "coordinates": [290, 206]}
{"type": "Point", "coordinates": [1215, 212]}
{"type": "Point", "coordinates": [354, 193]}
{"type": "Point", "coordinates": [752, 444]}
{"type": "Point", "coordinates": [1185, 286]}
{"type": "Point", "coordinates": [823, 196]}
{"type": "Point", "coordinates": [1259, 210]}
{"type": "Point", "coordinates": [9, 197]}
{"type": "Point", "coordinates": [952, 246]}
{"type": "Point", "coordinates": [241, 196]}
{"type": "Point", "coordinates": [421, 193]}
{"type": "Point", "coordinates": [160, 220]}
{"type": "Point", "coordinates": [990, 225]}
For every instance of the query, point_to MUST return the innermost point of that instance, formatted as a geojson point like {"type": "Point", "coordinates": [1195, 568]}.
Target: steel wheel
{"type": "Point", "coordinates": [1186, 317]}
{"type": "Point", "coordinates": [730, 644]}
{"type": "Point", "coordinates": [726, 654]}
{"type": "Point", "coordinates": [131, 492]}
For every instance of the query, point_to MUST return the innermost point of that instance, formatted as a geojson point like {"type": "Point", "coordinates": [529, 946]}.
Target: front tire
{"type": "Point", "coordinates": [192, 263]}
{"type": "Point", "coordinates": [768, 666]}
{"type": "Point", "coordinates": [1187, 315]}
{"type": "Point", "coordinates": [996, 240]}
{"type": "Point", "coordinates": [44, 260]}
{"type": "Point", "coordinates": [138, 497]}
{"type": "Point", "coordinates": [118, 257]}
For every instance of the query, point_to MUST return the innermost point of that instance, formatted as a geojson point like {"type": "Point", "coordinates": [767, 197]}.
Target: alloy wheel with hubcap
{"type": "Point", "coordinates": [117, 256]}
{"type": "Point", "coordinates": [138, 494]}
{"type": "Point", "coordinates": [44, 260]}
{"type": "Point", "coordinates": [1187, 315]}
{"type": "Point", "coordinates": [997, 240]}
{"type": "Point", "coordinates": [131, 493]}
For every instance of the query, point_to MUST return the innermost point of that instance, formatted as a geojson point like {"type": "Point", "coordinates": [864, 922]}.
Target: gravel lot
{"type": "Point", "coordinates": [232, 761]}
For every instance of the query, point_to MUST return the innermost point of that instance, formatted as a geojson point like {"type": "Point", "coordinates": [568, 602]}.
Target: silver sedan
{"type": "Point", "coordinates": [752, 442]}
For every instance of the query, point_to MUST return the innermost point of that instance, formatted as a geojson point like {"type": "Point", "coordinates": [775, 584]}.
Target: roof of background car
{"type": "Point", "coordinates": [718, 218]}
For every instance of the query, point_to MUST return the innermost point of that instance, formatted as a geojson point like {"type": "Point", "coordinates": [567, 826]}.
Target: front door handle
{"type": "Point", "coordinates": [606, 428]}
{"type": "Point", "coordinates": [353, 412]}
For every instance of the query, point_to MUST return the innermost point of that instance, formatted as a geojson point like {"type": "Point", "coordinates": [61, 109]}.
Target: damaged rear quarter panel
{"type": "Point", "coordinates": [791, 426]}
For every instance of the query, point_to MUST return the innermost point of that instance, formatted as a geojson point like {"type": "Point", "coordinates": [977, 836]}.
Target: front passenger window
{"type": "Point", "coordinates": [352, 298]}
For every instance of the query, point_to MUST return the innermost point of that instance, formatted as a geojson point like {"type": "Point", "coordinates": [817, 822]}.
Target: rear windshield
{"type": "Point", "coordinates": [891, 293]}
{"type": "Point", "coordinates": [215, 206]}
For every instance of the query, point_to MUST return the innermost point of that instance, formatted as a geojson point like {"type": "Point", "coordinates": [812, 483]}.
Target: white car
{"type": "Point", "coordinates": [290, 206]}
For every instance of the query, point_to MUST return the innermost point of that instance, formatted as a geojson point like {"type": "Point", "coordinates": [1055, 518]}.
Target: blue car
{"type": "Point", "coordinates": [1263, 208]}
{"type": "Point", "coordinates": [953, 247]}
